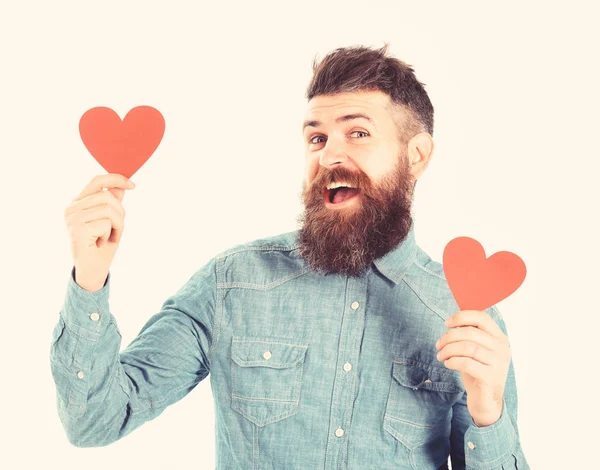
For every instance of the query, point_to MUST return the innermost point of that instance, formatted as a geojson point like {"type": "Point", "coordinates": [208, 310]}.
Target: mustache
{"type": "Point", "coordinates": [326, 176]}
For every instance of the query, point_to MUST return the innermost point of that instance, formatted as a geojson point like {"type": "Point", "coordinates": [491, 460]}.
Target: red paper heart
{"type": "Point", "coordinates": [122, 146]}
{"type": "Point", "coordinates": [478, 283]}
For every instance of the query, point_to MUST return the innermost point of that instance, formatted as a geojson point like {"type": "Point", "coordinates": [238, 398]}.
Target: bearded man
{"type": "Point", "coordinates": [336, 346]}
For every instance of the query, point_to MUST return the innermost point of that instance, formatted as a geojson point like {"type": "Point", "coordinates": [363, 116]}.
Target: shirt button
{"type": "Point", "coordinates": [471, 445]}
{"type": "Point", "coordinates": [267, 355]}
{"type": "Point", "coordinates": [339, 432]}
{"type": "Point", "coordinates": [354, 305]}
{"type": "Point", "coordinates": [94, 316]}
{"type": "Point", "coordinates": [347, 366]}
{"type": "Point", "coordinates": [80, 374]}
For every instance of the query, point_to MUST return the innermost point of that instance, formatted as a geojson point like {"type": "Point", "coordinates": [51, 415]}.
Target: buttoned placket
{"type": "Point", "coordinates": [94, 316]}
{"type": "Point", "coordinates": [345, 386]}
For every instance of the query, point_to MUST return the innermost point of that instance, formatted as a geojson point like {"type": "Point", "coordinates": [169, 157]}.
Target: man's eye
{"type": "Point", "coordinates": [312, 141]}
{"type": "Point", "coordinates": [362, 132]}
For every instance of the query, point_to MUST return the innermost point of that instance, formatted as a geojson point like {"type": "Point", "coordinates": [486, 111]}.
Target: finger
{"type": "Point", "coordinates": [476, 318]}
{"type": "Point", "coordinates": [118, 193]}
{"type": "Point", "coordinates": [96, 232]}
{"type": "Point", "coordinates": [98, 213]}
{"type": "Point", "coordinates": [466, 349]}
{"type": "Point", "coordinates": [468, 333]}
{"type": "Point", "coordinates": [110, 180]}
{"type": "Point", "coordinates": [103, 227]}
{"type": "Point", "coordinates": [468, 366]}
{"type": "Point", "coordinates": [97, 199]}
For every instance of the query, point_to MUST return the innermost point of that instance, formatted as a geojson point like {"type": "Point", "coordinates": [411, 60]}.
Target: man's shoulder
{"type": "Point", "coordinates": [427, 273]}
{"type": "Point", "coordinates": [283, 242]}
{"type": "Point", "coordinates": [262, 263]}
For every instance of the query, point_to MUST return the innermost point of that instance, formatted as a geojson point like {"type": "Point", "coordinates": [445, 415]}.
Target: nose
{"type": "Point", "coordinates": [333, 154]}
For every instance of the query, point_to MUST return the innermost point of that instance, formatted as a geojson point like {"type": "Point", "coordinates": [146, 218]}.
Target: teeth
{"type": "Point", "coordinates": [339, 185]}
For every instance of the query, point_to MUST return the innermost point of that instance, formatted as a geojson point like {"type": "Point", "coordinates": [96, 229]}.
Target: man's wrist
{"type": "Point", "coordinates": [90, 285]}
{"type": "Point", "coordinates": [490, 416]}
{"type": "Point", "coordinates": [483, 422]}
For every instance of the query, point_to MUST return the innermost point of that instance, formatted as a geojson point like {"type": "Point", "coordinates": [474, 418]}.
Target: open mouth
{"type": "Point", "coordinates": [340, 194]}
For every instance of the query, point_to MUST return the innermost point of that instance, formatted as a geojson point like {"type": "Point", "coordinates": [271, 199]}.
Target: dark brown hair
{"type": "Point", "coordinates": [358, 68]}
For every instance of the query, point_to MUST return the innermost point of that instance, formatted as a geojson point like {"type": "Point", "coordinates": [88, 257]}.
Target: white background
{"type": "Point", "coordinates": [514, 86]}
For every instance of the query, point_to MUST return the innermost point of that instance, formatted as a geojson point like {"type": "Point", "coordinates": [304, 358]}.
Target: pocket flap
{"type": "Point", "coordinates": [417, 375]}
{"type": "Point", "coordinates": [278, 355]}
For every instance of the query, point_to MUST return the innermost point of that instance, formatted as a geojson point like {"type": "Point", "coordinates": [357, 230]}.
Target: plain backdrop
{"type": "Point", "coordinates": [515, 165]}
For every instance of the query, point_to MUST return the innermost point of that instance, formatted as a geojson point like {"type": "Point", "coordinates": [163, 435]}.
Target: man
{"type": "Point", "coordinates": [338, 345]}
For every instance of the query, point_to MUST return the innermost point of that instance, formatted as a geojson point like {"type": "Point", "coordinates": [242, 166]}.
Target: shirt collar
{"type": "Point", "coordinates": [395, 263]}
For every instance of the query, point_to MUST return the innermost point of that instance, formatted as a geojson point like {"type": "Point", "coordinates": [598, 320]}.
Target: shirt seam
{"type": "Point", "coordinates": [233, 251]}
{"type": "Point", "coordinates": [428, 271]}
{"type": "Point", "coordinates": [219, 310]}
{"type": "Point", "coordinates": [247, 285]}
{"type": "Point", "coordinates": [443, 315]}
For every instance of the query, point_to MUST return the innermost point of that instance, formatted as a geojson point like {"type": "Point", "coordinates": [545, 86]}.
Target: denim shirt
{"type": "Point", "coordinates": [308, 371]}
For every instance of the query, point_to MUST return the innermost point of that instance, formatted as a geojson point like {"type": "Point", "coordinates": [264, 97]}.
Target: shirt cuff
{"type": "Point", "coordinates": [85, 313]}
{"type": "Point", "coordinates": [489, 446]}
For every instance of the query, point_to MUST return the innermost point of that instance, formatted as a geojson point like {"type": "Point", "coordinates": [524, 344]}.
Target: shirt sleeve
{"type": "Point", "coordinates": [493, 447]}
{"type": "Point", "coordinates": [103, 394]}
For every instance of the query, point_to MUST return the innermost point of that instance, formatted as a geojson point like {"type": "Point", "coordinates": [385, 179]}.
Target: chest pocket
{"type": "Point", "coordinates": [266, 378]}
{"type": "Point", "coordinates": [419, 405]}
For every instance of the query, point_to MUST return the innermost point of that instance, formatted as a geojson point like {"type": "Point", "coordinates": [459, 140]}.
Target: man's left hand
{"type": "Point", "coordinates": [476, 346]}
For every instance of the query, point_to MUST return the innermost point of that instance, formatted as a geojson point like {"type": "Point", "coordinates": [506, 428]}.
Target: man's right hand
{"type": "Point", "coordinates": [95, 221]}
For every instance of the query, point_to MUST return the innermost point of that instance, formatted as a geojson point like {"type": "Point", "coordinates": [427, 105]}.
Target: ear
{"type": "Point", "coordinates": [420, 150]}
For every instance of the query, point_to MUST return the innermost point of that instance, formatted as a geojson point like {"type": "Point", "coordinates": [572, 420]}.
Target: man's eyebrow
{"type": "Point", "coordinates": [347, 117]}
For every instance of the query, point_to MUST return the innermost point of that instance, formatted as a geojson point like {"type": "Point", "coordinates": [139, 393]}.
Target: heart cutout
{"type": "Point", "coordinates": [122, 146]}
{"type": "Point", "coordinates": [477, 282]}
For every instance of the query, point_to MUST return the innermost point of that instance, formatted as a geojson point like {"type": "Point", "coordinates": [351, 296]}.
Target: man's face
{"type": "Point", "coordinates": [358, 187]}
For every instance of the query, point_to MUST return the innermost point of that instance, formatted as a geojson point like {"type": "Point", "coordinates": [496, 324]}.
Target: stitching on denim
{"type": "Point", "coordinates": [264, 422]}
{"type": "Point", "coordinates": [428, 271]}
{"type": "Point", "coordinates": [441, 370]}
{"type": "Point", "coordinates": [492, 464]}
{"type": "Point", "coordinates": [397, 275]}
{"type": "Point", "coordinates": [395, 434]}
{"type": "Point", "coordinates": [254, 447]}
{"type": "Point", "coordinates": [248, 340]}
{"type": "Point", "coordinates": [80, 335]}
{"type": "Point", "coordinates": [443, 315]}
{"type": "Point", "coordinates": [294, 402]}
{"type": "Point", "coordinates": [334, 404]}
{"type": "Point", "coordinates": [93, 298]}
{"type": "Point", "coordinates": [247, 285]}
{"type": "Point", "coordinates": [352, 396]}
{"type": "Point", "coordinates": [219, 294]}
{"type": "Point", "coordinates": [233, 251]}
{"type": "Point", "coordinates": [233, 378]}
{"type": "Point", "coordinates": [411, 460]}
{"type": "Point", "coordinates": [298, 381]}
{"type": "Point", "coordinates": [357, 344]}
{"type": "Point", "coordinates": [80, 328]}
{"type": "Point", "coordinates": [417, 425]}
{"type": "Point", "coordinates": [265, 363]}
{"type": "Point", "coordinates": [70, 405]}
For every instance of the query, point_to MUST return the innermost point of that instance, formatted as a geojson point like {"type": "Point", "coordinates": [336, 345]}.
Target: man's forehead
{"type": "Point", "coordinates": [374, 101]}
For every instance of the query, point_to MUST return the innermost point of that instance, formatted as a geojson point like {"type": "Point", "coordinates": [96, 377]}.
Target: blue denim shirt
{"type": "Point", "coordinates": [307, 371]}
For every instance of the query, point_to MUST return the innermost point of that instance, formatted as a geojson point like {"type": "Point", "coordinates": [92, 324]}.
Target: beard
{"type": "Point", "coordinates": [345, 241]}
